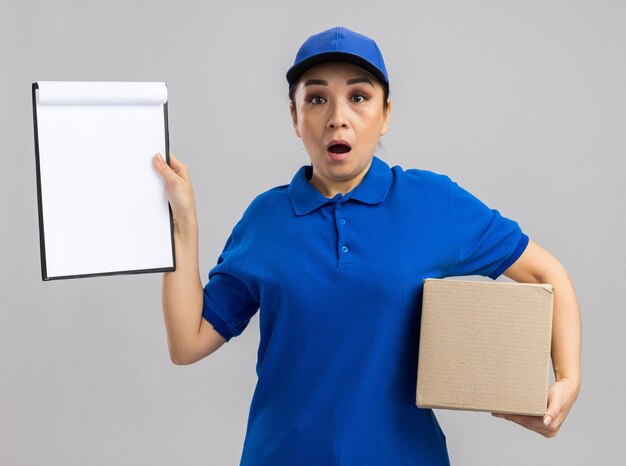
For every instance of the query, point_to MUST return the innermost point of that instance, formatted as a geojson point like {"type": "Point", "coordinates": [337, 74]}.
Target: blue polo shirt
{"type": "Point", "coordinates": [339, 286]}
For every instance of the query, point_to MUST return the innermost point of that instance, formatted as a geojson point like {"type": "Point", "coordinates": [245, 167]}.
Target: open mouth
{"type": "Point", "coordinates": [339, 148]}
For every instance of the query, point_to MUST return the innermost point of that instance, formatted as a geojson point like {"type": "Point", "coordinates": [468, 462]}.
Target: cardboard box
{"type": "Point", "coordinates": [485, 346]}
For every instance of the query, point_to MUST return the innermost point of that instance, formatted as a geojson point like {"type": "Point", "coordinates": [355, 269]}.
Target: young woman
{"type": "Point", "coordinates": [335, 261]}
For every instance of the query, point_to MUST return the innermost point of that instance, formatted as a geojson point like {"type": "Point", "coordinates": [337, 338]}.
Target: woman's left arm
{"type": "Point", "coordinates": [536, 265]}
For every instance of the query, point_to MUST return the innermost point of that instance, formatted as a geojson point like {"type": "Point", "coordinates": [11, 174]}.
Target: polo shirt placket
{"type": "Point", "coordinates": [305, 199]}
{"type": "Point", "coordinates": [344, 238]}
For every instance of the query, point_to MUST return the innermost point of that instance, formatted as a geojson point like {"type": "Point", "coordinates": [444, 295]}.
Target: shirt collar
{"type": "Point", "coordinates": [371, 190]}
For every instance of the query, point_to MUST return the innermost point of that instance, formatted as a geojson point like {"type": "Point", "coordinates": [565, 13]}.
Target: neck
{"type": "Point", "coordinates": [330, 188]}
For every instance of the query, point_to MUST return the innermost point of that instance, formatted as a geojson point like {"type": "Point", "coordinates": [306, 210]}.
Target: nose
{"type": "Point", "coordinates": [337, 117]}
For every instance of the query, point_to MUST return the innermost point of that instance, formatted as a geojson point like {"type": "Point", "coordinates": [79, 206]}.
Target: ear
{"type": "Point", "coordinates": [294, 118]}
{"type": "Point", "coordinates": [386, 116]}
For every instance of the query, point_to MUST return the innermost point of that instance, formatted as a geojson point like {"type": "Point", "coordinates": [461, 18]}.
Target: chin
{"type": "Point", "coordinates": [344, 173]}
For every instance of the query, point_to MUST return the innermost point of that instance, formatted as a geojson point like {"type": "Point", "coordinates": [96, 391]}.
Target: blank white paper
{"type": "Point", "coordinates": [103, 204]}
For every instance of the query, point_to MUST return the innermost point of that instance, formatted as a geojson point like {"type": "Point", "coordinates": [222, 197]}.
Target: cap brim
{"type": "Point", "coordinates": [297, 70]}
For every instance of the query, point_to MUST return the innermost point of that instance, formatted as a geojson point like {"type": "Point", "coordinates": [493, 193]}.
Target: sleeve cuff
{"type": "Point", "coordinates": [217, 322]}
{"type": "Point", "coordinates": [519, 249]}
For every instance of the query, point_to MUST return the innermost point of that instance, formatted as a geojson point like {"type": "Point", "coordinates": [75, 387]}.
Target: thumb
{"type": "Point", "coordinates": [554, 407]}
{"type": "Point", "coordinates": [165, 170]}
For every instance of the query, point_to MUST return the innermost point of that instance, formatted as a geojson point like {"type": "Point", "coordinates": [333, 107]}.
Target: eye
{"type": "Point", "coordinates": [316, 99]}
{"type": "Point", "coordinates": [359, 98]}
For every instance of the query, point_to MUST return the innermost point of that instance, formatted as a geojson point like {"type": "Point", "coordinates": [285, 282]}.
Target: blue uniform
{"type": "Point", "coordinates": [339, 286]}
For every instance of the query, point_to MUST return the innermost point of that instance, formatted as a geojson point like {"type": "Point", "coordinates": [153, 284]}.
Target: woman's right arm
{"type": "Point", "coordinates": [190, 337]}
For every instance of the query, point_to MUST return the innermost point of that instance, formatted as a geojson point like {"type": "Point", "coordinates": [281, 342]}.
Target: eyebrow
{"type": "Point", "coordinates": [359, 80]}
{"type": "Point", "coordinates": [322, 82]}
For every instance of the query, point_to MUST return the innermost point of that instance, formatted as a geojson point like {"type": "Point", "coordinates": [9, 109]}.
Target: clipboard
{"type": "Point", "coordinates": [101, 204]}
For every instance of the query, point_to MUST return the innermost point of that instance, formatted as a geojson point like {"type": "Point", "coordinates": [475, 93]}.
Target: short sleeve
{"type": "Point", "coordinates": [228, 303]}
{"type": "Point", "coordinates": [486, 243]}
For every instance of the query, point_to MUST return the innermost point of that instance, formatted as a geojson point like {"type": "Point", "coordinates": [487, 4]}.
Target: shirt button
{"type": "Point", "coordinates": [345, 248]}
{"type": "Point", "coordinates": [343, 221]}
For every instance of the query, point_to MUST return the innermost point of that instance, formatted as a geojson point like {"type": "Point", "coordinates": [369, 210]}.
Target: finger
{"type": "Point", "coordinates": [526, 421]}
{"type": "Point", "coordinates": [170, 175]}
{"type": "Point", "coordinates": [175, 164]}
{"type": "Point", "coordinates": [179, 167]}
{"type": "Point", "coordinates": [553, 411]}
{"type": "Point", "coordinates": [534, 423]}
{"type": "Point", "coordinates": [162, 167]}
{"type": "Point", "coordinates": [554, 407]}
{"type": "Point", "coordinates": [557, 406]}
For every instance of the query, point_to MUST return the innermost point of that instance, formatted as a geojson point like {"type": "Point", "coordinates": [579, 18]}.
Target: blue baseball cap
{"type": "Point", "coordinates": [340, 44]}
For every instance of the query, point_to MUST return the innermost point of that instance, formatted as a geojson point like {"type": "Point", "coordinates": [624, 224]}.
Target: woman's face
{"type": "Point", "coordinates": [339, 116]}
